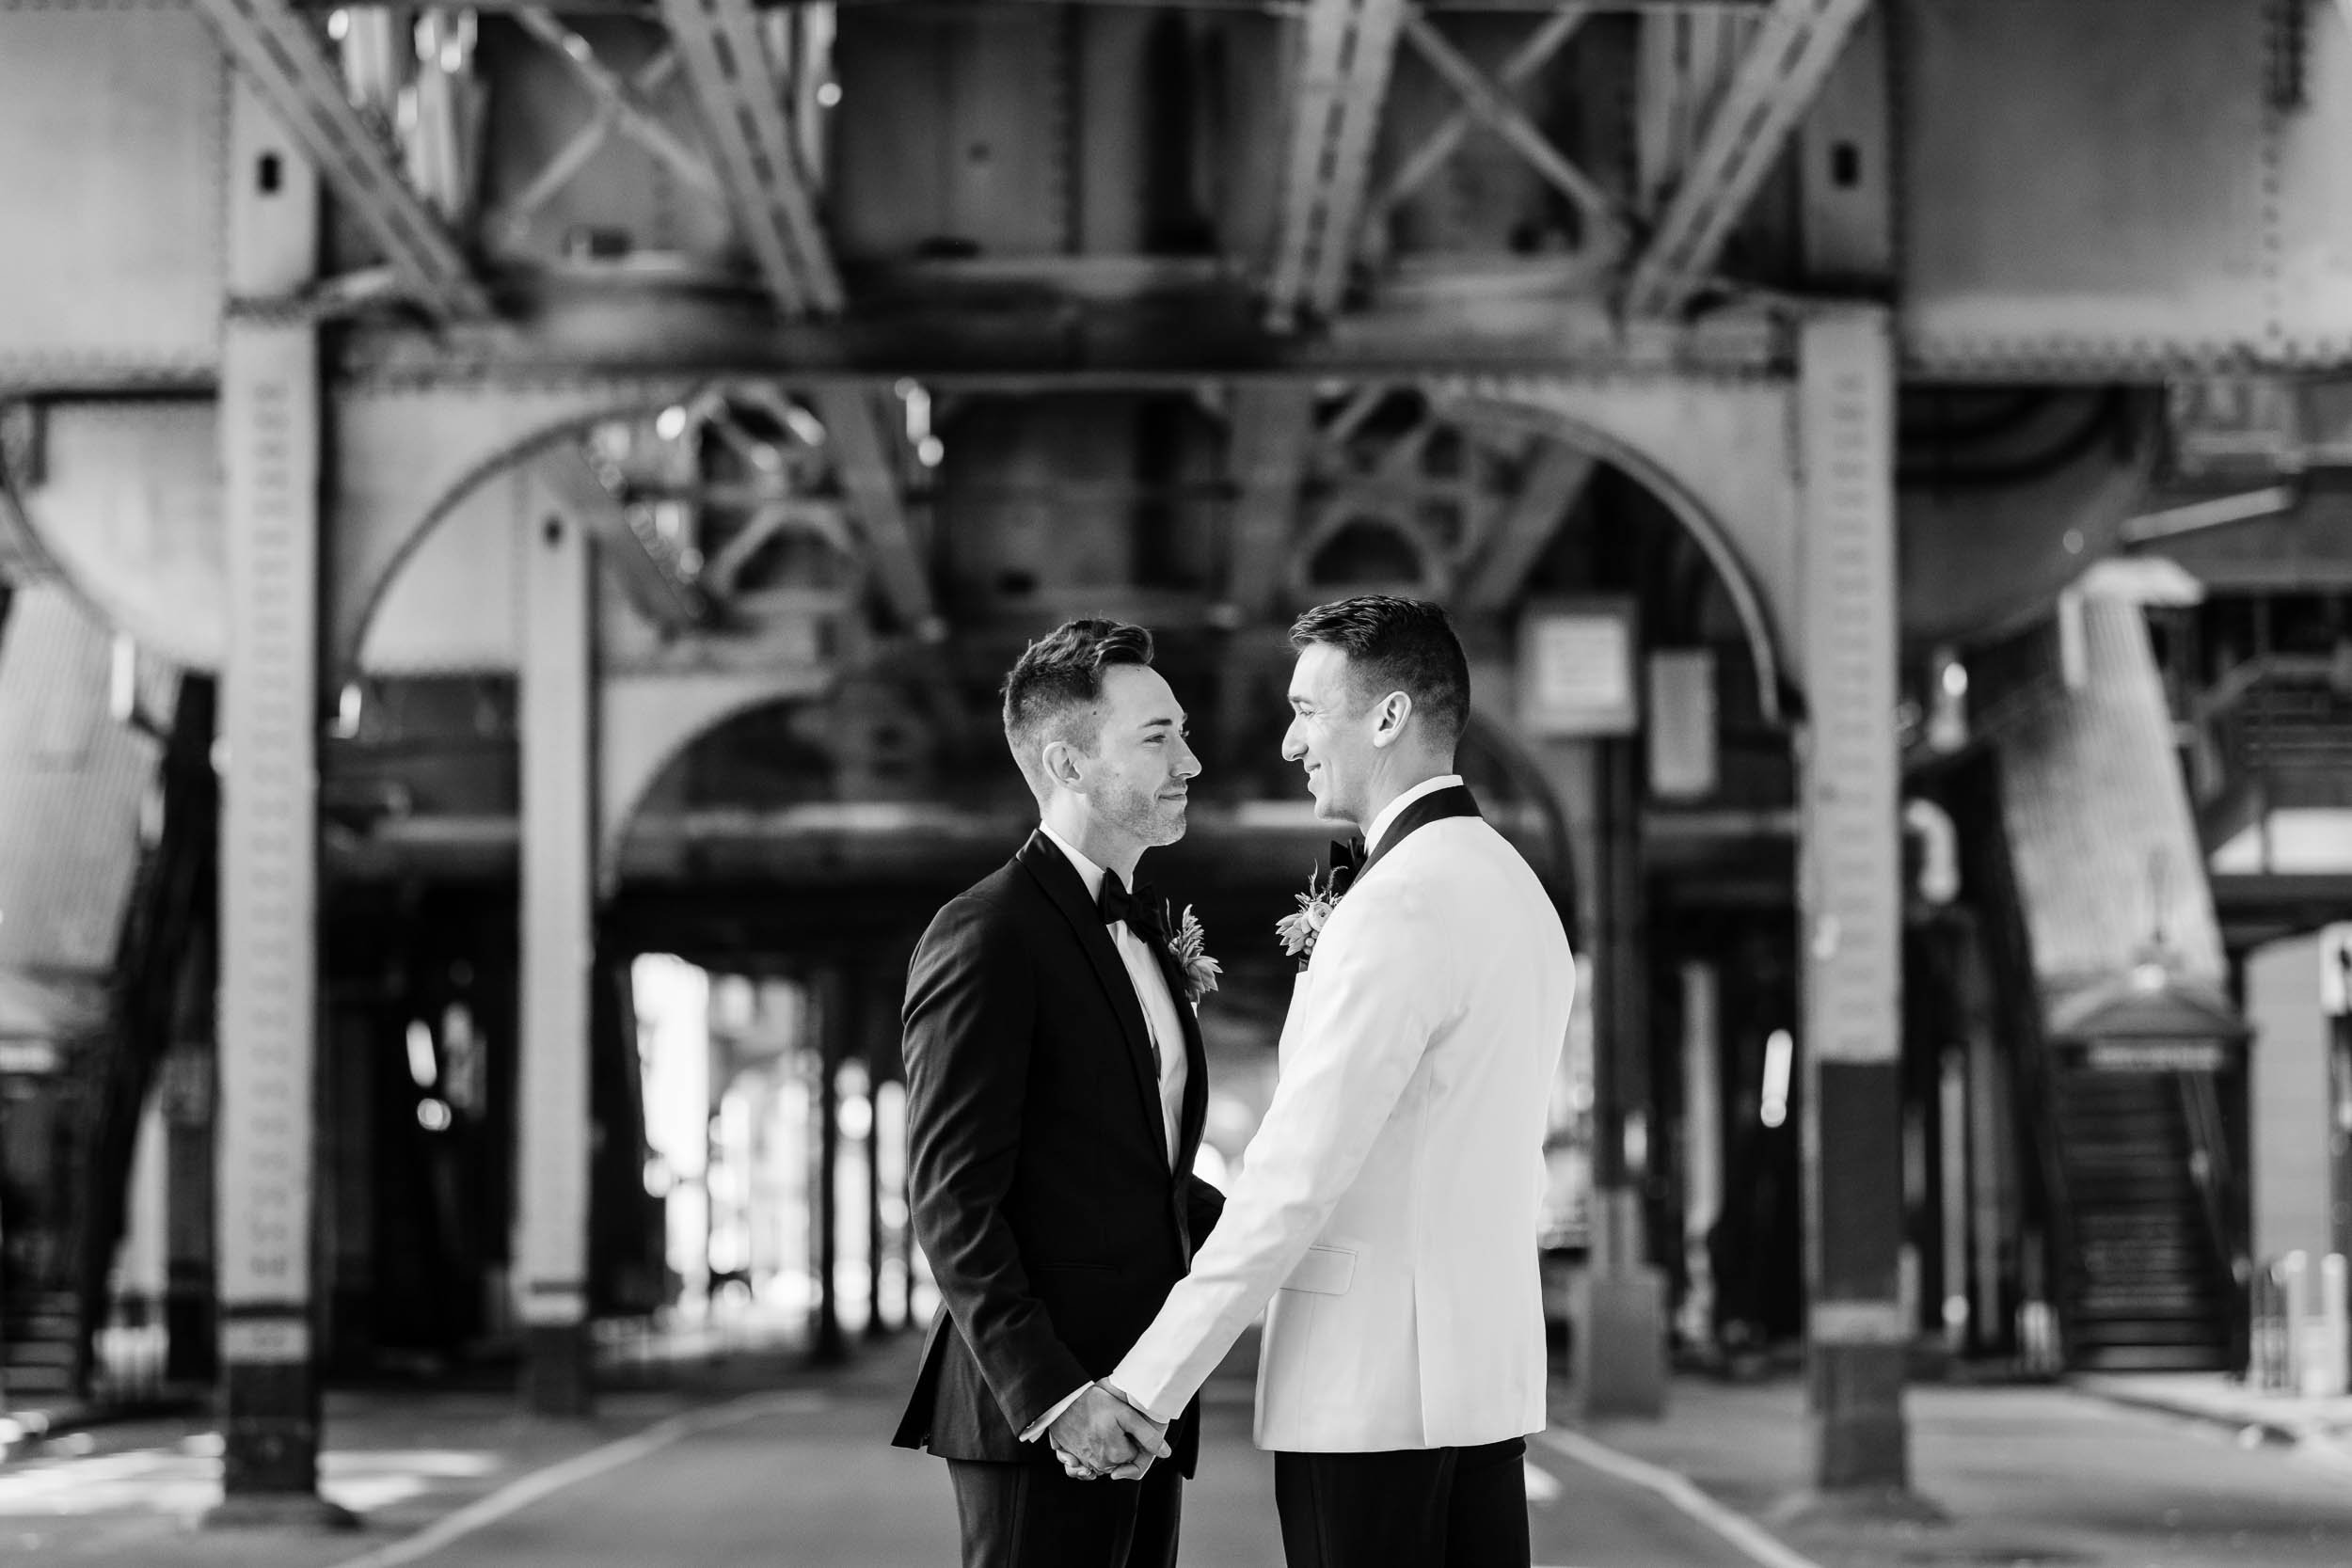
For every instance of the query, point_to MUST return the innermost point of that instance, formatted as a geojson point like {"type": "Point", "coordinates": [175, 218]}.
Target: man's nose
{"type": "Point", "coordinates": [1187, 765]}
{"type": "Point", "coordinates": [1293, 748]}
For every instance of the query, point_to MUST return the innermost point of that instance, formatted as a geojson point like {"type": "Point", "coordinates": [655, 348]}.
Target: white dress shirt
{"type": "Point", "coordinates": [1160, 1018]}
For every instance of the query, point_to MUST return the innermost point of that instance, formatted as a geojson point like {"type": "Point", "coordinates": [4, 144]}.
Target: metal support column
{"type": "Point", "coordinates": [559, 883]}
{"type": "Point", "coordinates": [836, 1005]}
{"type": "Point", "coordinates": [1620, 1363]}
{"type": "Point", "coordinates": [268, 999]}
{"type": "Point", "coordinates": [1851, 906]}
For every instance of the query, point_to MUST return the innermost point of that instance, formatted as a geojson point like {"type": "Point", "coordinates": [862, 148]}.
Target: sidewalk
{"type": "Point", "coordinates": [130, 1492]}
{"type": "Point", "coordinates": [2323, 1424]}
{"type": "Point", "coordinates": [2011, 1475]}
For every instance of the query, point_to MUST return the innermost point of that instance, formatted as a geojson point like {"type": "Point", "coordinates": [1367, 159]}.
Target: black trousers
{"type": "Point", "coordinates": [1409, 1507]}
{"type": "Point", "coordinates": [1031, 1515]}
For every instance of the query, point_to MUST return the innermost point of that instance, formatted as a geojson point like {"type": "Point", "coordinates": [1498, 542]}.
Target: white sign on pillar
{"type": "Point", "coordinates": [559, 883]}
{"type": "Point", "coordinates": [1852, 866]}
{"type": "Point", "coordinates": [269, 870]}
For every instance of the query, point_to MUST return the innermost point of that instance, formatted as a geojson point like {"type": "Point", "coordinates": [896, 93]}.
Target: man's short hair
{"type": "Point", "coordinates": [1397, 645]}
{"type": "Point", "coordinates": [1055, 690]}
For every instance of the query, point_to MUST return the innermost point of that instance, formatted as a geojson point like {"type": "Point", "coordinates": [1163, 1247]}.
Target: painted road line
{"type": "Point", "coordinates": [521, 1493]}
{"type": "Point", "coordinates": [1541, 1488]}
{"type": "Point", "coordinates": [1738, 1528]}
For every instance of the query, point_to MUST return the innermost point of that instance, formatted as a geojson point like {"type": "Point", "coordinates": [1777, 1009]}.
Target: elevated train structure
{"type": "Point", "coordinates": [487, 493]}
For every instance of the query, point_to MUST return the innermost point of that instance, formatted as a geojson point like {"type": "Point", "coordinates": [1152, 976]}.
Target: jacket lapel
{"type": "Point", "coordinates": [1435, 806]}
{"type": "Point", "coordinates": [1060, 878]}
{"type": "Point", "coordinates": [1194, 1114]}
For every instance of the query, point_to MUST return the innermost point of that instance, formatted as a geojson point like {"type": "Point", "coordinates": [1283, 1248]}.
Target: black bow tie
{"type": "Point", "coordinates": [1347, 859]}
{"type": "Point", "coordinates": [1140, 908]}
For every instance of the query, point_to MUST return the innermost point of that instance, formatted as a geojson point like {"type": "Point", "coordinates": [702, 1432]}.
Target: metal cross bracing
{"type": "Point", "coordinates": [1794, 47]}
{"type": "Point", "coordinates": [1457, 509]}
{"type": "Point", "coordinates": [281, 51]}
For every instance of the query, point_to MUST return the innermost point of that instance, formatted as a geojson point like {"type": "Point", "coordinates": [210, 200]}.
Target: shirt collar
{"type": "Point", "coordinates": [1389, 813]}
{"type": "Point", "coordinates": [1087, 871]}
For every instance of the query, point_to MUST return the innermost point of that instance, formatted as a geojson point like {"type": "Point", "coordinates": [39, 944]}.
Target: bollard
{"type": "Point", "coordinates": [2333, 1330]}
{"type": "Point", "coordinates": [2294, 1268]}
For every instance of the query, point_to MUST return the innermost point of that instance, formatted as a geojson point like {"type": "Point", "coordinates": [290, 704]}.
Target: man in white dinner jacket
{"type": "Point", "coordinates": [1388, 1204]}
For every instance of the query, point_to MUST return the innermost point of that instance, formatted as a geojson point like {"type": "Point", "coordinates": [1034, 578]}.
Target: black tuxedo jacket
{"type": "Point", "coordinates": [1037, 1159]}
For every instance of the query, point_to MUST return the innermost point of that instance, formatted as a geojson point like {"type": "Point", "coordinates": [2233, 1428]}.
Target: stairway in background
{"type": "Point", "coordinates": [2149, 1290]}
{"type": "Point", "coordinates": [37, 1329]}
{"type": "Point", "coordinates": [2103, 857]}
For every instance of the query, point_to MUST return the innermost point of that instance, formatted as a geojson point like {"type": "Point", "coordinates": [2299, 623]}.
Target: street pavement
{"type": "Point", "coordinates": [766, 1463]}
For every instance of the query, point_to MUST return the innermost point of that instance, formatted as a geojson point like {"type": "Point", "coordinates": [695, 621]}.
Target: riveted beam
{"type": "Point", "coordinates": [861, 447]}
{"type": "Point", "coordinates": [280, 51]}
{"type": "Point", "coordinates": [1343, 80]}
{"type": "Point", "coordinates": [727, 63]}
{"type": "Point", "coordinates": [1794, 48]}
{"type": "Point", "coordinates": [1554, 481]}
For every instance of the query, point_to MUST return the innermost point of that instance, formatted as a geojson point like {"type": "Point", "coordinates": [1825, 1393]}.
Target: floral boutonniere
{"type": "Point", "coordinates": [1190, 947]}
{"type": "Point", "coordinates": [1300, 931]}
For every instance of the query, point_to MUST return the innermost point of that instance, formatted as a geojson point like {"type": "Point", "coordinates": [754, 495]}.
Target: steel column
{"type": "Point", "coordinates": [1849, 900]}
{"type": "Point", "coordinates": [270, 414]}
{"type": "Point", "coordinates": [559, 890]}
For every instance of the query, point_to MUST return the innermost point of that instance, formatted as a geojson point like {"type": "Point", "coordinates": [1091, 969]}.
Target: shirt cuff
{"type": "Point", "coordinates": [1112, 1388]}
{"type": "Point", "coordinates": [1037, 1428]}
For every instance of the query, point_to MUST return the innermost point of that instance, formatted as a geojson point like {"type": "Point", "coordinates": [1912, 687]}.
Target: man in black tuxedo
{"type": "Point", "coordinates": [1056, 1091]}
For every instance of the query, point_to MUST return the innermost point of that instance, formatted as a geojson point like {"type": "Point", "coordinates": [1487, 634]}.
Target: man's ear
{"type": "Point", "coordinates": [1389, 716]}
{"type": "Point", "coordinates": [1063, 767]}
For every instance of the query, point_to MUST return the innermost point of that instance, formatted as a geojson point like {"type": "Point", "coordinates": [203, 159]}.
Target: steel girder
{"type": "Point", "coordinates": [1555, 480]}
{"type": "Point", "coordinates": [726, 62]}
{"type": "Point", "coordinates": [859, 442]}
{"type": "Point", "coordinates": [1343, 79]}
{"type": "Point", "coordinates": [279, 52]}
{"type": "Point", "coordinates": [647, 565]}
{"type": "Point", "coordinates": [1785, 65]}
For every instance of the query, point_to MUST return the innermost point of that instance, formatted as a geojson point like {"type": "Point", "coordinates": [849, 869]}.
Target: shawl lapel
{"type": "Point", "coordinates": [1435, 806]}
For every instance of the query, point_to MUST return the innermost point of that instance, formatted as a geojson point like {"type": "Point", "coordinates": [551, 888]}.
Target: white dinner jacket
{"type": "Point", "coordinates": [1393, 1192]}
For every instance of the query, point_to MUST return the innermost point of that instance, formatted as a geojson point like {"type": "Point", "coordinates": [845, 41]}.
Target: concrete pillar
{"type": "Point", "coordinates": [1620, 1304]}
{"type": "Point", "coordinates": [1702, 1145]}
{"type": "Point", "coordinates": [559, 882]}
{"type": "Point", "coordinates": [270, 427]}
{"type": "Point", "coordinates": [1850, 907]}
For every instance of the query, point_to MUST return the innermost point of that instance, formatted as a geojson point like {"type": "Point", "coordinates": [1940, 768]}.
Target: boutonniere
{"type": "Point", "coordinates": [1300, 931]}
{"type": "Point", "coordinates": [1190, 948]}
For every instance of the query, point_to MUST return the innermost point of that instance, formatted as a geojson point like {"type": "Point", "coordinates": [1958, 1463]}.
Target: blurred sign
{"type": "Point", "coordinates": [1682, 722]}
{"type": "Point", "coordinates": [28, 1056]}
{"type": "Point", "coordinates": [1577, 669]}
{"type": "Point", "coordinates": [2155, 1057]}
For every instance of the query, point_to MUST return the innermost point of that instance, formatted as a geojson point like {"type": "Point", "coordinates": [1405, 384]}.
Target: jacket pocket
{"type": "Point", "coordinates": [1325, 1271]}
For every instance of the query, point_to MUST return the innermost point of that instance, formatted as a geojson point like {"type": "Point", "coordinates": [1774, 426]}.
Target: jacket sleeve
{"type": "Point", "coordinates": [1203, 1204]}
{"type": "Point", "coordinates": [971, 1011]}
{"type": "Point", "coordinates": [1378, 998]}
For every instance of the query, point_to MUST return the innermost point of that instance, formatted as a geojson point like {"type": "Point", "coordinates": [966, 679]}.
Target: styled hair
{"type": "Point", "coordinates": [1395, 644]}
{"type": "Point", "coordinates": [1054, 689]}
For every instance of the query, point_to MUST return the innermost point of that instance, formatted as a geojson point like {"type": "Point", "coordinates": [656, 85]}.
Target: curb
{"type": "Point", "coordinates": [2306, 1432]}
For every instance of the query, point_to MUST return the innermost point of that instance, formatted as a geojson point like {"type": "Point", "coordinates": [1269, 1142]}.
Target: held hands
{"type": "Point", "coordinates": [1102, 1437]}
